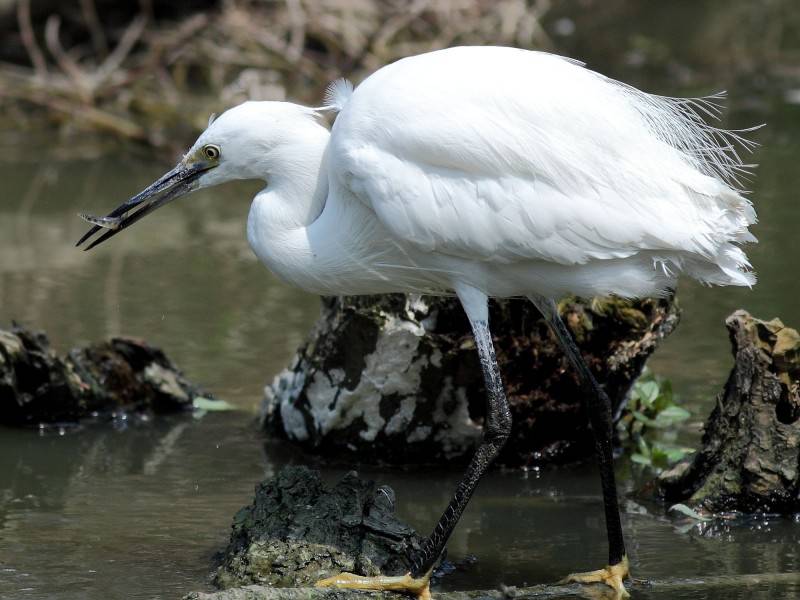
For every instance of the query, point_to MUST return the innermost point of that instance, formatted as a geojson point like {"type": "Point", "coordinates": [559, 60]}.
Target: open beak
{"type": "Point", "coordinates": [178, 182]}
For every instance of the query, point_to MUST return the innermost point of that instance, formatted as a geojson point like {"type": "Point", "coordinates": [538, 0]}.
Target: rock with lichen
{"type": "Point", "coordinates": [297, 530]}
{"type": "Point", "coordinates": [397, 378]}
{"type": "Point", "coordinates": [37, 386]}
{"type": "Point", "coordinates": [749, 459]}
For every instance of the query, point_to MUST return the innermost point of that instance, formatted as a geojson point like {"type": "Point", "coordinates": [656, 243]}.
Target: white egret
{"type": "Point", "coordinates": [482, 172]}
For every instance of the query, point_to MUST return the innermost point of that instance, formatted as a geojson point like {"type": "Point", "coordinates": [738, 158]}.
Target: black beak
{"type": "Point", "coordinates": [178, 182]}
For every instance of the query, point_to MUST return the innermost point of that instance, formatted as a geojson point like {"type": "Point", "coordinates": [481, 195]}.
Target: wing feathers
{"type": "Point", "coordinates": [542, 160]}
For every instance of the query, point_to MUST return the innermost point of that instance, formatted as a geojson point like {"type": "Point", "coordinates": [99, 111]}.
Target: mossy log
{"type": "Point", "coordinates": [750, 455]}
{"type": "Point", "coordinates": [121, 375]}
{"type": "Point", "coordinates": [396, 379]}
{"type": "Point", "coordinates": [297, 530]}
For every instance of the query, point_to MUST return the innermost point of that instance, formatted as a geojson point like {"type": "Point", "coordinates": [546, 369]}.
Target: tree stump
{"type": "Point", "coordinates": [396, 379]}
{"type": "Point", "coordinates": [298, 530]}
{"type": "Point", "coordinates": [749, 459]}
{"type": "Point", "coordinates": [120, 375]}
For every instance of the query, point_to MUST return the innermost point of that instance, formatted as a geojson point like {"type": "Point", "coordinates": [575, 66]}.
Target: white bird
{"type": "Point", "coordinates": [482, 172]}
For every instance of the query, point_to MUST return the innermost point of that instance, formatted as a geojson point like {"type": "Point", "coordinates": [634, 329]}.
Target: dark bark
{"type": "Point", "coordinates": [297, 531]}
{"type": "Point", "coordinates": [120, 375]}
{"type": "Point", "coordinates": [395, 380]}
{"type": "Point", "coordinates": [749, 459]}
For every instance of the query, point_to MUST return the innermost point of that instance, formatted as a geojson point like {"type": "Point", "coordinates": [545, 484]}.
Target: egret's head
{"type": "Point", "coordinates": [242, 143]}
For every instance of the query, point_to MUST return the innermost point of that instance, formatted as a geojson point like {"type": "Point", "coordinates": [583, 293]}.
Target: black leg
{"type": "Point", "coordinates": [599, 408]}
{"type": "Point", "coordinates": [496, 430]}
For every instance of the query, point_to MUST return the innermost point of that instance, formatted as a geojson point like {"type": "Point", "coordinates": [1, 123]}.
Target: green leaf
{"type": "Point", "coordinates": [659, 458]}
{"type": "Point", "coordinates": [666, 389]}
{"type": "Point", "coordinates": [210, 405]}
{"type": "Point", "coordinates": [642, 418]}
{"type": "Point", "coordinates": [651, 409]}
{"type": "Point", "coordinates": [648, 392]}
{"type": "Point", "coordinates": [676, 453]}
{"type": "Point", "coordinates": [671, 415]}
{"type": "Point", "coordinates": [689, 512]}
{"type": "Point", "coordinates": [644, 450]}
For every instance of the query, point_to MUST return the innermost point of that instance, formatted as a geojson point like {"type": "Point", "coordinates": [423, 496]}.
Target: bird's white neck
{"type": "Point", "coordinates": [294, 197]}
{"type": "Point", "coordinates": [297, 182]}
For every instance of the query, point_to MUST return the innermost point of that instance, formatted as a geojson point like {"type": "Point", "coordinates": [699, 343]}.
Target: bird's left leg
{"type": "Point", "coordinates": [497, 428]}
{"type": "Point", "coordinates": [599, 409]}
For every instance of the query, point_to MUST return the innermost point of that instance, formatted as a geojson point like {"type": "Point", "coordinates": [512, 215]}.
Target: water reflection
{"type": "Point", "coordinates": [107, 513]}
{"type": "Point", "coordinates": [140, 512]}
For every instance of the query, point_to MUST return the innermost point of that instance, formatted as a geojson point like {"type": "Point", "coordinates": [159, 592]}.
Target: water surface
{"type": "Point", "coordinates": [138, 511]}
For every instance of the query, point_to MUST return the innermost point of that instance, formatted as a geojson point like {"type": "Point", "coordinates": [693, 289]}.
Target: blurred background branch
{"type": "Point", "coordinates": [151, 71]}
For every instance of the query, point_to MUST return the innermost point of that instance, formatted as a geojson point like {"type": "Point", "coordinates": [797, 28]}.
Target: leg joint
{"type": "Point", "coordinates": [497, 428]}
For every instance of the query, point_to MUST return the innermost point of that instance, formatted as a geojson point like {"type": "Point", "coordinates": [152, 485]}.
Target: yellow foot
{"type": "Point", "coordinates": [612, 576]}
{"type": "Point", "coordinates": [418, 587]}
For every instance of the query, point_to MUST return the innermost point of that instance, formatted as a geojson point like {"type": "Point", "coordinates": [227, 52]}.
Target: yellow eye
{"type": "Point", "coordinates": [211, 152]}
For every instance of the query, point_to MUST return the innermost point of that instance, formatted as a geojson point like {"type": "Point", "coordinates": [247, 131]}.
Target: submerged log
{"type": "Point", "coordinates": [261, 592]}
{"type": "Point", "coordinates": [750, 455]}
{"type": "Point", "coordinates": [119, 375]}
{"type": "Point", "coordinates": [397, 379]}
{"type": "Point", "coordinates": [297, 530]}
{"type": "Point", "coordinates": [719, 583]}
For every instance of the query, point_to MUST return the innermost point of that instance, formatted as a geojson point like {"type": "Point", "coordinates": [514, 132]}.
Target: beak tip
{"type": "Point", "coordinates": [173, 184]}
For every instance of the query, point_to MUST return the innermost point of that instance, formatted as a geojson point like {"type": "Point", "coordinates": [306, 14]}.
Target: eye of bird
{"type": "Point", "coordinates": [211, 151]}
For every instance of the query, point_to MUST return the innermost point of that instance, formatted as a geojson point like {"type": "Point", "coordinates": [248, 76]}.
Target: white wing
{"type": "Point", "coordinates": [505, 155]}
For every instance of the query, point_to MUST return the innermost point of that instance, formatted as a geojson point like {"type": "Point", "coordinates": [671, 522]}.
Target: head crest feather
{"type": "Point", "coordinates": [337, 95]}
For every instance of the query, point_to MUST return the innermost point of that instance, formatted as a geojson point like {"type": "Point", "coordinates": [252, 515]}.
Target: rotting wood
{"type": "Point", "coordinates": [397, 380]}
{"type": "Point", "coordinates": [749, 459]}
{"type": "Point", "coordinates": [121, 375]}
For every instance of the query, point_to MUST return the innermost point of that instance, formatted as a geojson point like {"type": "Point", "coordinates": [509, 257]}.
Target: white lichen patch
{"type": "Point", "coordinates": [402, 418]}
{"type": "Point", "coordinates": [419, 434]}
{"type": "Point", "coordinates": [313, 403]}
{"type": "Point", "coordinates": [282, 394]}
{"type": "Point", "coordinates": [322, 401]}
{"type": "Point", "coordinates": [415, 303]}
{"type": "Point", "coordinates": [393, 368]}
{"type": "Point", "coordinates": [293, 422]}
{"type": "Point", "coordinates": [460, 431]}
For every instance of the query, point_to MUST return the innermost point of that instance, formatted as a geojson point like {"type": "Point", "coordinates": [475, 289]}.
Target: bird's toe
{"type": "Point", "coordinates": [611, 576]}
{"type": "Point", "coordinates": [418, 587]}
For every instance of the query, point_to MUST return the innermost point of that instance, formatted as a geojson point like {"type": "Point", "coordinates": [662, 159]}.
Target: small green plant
{"type": "Point", "coordinates": [645, 427]}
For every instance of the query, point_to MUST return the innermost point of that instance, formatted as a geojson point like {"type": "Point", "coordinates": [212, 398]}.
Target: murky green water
{"type": "Point", "coordinates": [138, 512]}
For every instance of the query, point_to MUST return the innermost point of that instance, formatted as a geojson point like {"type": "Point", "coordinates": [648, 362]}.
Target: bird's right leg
{"type": "Point", "coordinates": [496, 430]}
{"type": "Point", "coordinates": [599, 409]}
